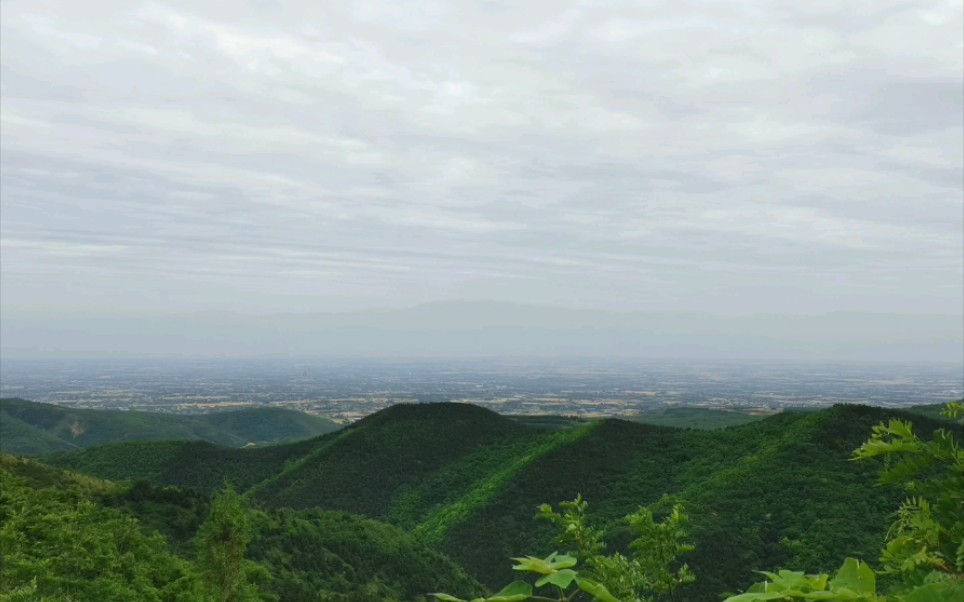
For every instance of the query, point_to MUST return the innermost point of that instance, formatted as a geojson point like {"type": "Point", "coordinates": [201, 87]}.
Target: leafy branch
{"type": "Point", "coordinates": [924, 550]}
{"type": "Point", "coordinates": [585, 572]}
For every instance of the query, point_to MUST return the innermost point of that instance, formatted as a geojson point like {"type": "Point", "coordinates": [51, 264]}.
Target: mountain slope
{"type": "Point", "coordinates": [382, 455]}
{"type": "Point", "coordinates": [743, 486]}
{"type": "Point", "coordinates": [699, 417]}
{"type": "Point", "coordinates": [778, 491]}
{"type": "Point", "coordinates": [31, 428]}
{"type": "Point", "coordinates": [64, 536]}
{"type": "Point", "coordinates": [16, 436]}
{"type": "Point", "coordinates": [57, 544]}
{"type": "Point", "coordinates": [196, 464]}
{"type": "Point", "coordinates": [781, 491]}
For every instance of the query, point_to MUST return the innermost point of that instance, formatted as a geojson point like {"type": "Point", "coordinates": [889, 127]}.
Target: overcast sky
{"type": "Point", "coordinates": [729, 157]}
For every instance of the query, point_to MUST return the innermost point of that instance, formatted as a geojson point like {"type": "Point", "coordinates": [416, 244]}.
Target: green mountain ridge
{"type": "Point", "coordinates": [196, 464]}
{"type": "Point", "coordinates": [381, 453]}
{"type": "Point", "coordinates": [777, 491]}
{"type": "Point", "coordinates": [30, 428]}
{"type": "Point", "coordinates": [700, 417]}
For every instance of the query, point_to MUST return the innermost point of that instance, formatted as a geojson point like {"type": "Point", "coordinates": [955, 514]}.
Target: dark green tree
{"type": "Point", "coordinates": [222, 540]}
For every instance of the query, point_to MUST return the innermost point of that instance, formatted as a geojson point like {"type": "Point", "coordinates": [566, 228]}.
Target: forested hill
{"type": "Point", "coordinates": [29, 428]}
{"type": "Point", "coordinates": [68, 537]}
{"type": "Point", "coordinates": [780, 491]}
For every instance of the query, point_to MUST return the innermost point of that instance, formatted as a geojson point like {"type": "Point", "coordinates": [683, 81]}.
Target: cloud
{"type": "Point", "coordinates": [721, 156]}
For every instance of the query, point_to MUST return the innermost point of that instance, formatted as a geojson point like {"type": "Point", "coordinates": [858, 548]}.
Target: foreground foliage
{"type": "Point", "coordinates": [222, 541]}
{"type": "Point", "coordinates": [928, 534]}
{"type": "Point", "coordinates": [57, 544]}
{"type": "Point", "coordinates": [315, 555]}
{"type": "Point", "coordinates": [645, 573]}
{"type": "Point", "coordinates": [647, 570]}
{"type": "Point", "coordinates": [67, 537]}
{"type": "Point", "coordinates": [923, 557]}
{"type": "Point", "coordinates": [556, 571]}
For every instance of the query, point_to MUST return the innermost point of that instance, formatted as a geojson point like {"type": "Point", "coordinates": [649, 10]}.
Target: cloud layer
{"type": "Point", "coordinates": [731, 157]}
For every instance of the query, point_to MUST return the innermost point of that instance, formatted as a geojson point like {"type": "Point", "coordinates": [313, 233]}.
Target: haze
{"type": "Point", "coordinates": [658, 179]}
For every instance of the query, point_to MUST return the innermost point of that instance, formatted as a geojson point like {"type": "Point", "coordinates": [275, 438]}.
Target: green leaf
{"type": "Point", "coordinates": [517, 591]}
{"type": "Point", "coordinates": [596, 589]}
{"type": "Point", "coordinates": [446, 598]}
{"type": "Point", "coordinates": [757, 596]}
{"type": "Point", "coordinates": [515, 588]}
{"type": "Point", "coordinates": [561, 561]}
{"type": "Point", "coordinates": [943, 591]}
{"type": "Point", "coordinates": [855, 576]}
{"type": "Point", "coordinates": [794, 580]}
{"type": "Point", "coordinates": [747, 597]}
{"type": "Point", "coordinates": [837, 596]}
{"type": "Point", "coordinates": [532, 565]}
{"type": "Point", "coordinates": [544, 566]}
{"type": "Point", "coordinates": [561, 579]}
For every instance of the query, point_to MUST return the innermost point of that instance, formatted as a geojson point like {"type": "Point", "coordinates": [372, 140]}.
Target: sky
{"type": "Point", "coordinates": [722, 157]}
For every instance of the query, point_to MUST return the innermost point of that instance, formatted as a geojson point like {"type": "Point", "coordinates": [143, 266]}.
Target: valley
{"type": "Point", "coordinates": [345, 390]}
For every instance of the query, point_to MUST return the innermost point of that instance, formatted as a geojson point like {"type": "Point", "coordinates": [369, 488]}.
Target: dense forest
{"type": "Point", "coordinates": [438, 498]}
{"type": "Point", "coordinates": [69, 537]}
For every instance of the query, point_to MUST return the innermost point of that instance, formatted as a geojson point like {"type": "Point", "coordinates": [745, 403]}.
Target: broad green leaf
{"type": "Point", "coordinates": [819, 582]}
{"type": "Point", "coordinates": [515, 588]}
{"type": "Point", "coordinates": [532, 565]}
{"type": "Point", "coordinates": [561, 561]}
{"type": "Point", "coordinates": [771, 576]}
{"type": "Point", "coordinates": [561, 579]}
{"type": "Point", "coordinates": [515, 598]}
{"type": "Point", "coordinates": [756, 596]}
{"type": "Point", "coordinates": [901, 428]}
{"type": "Point", "coordinates": [837, 596]}
{"type": "Point", "coordinates": [517, 591]}
{"type": "Point", "coordinates": [747, 597]}
{"type": "Point", "coordinates": [801, 587]}
{"type": "Point", "coordinates": [855, 576]}
{"type": "Point", "coordinates": [544, 566]}
{"type": "Point", "coordinates": [596, 589]}
{"type": "Point", "coordinates": [944, 591]}
{"type": "Point", "coordinates": [794, 580]}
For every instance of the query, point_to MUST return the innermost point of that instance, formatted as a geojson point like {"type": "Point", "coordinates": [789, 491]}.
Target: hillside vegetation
{"type": "Point", "coordinates": [69, 537]}
{"type": "Point", "coordinates": [701, 418]}
{"type": "Point", "coordinates": [780, 491]}
{"type": "Point", "coordinates": [30, 428]}
{"type": "Point", "coordinates": [196, 464]}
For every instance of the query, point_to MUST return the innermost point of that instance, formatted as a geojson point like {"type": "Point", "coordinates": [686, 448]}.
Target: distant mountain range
{"type": "Point", "coordinates": [30, 428]}
{"type": "Point", "coordinates": [485, 329]}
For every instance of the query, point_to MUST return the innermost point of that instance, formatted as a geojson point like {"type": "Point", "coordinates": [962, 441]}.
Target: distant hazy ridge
{"type": "Point", "coordinates": [30, 428]}
{"type": "Point", "coordinates": [486, 329]}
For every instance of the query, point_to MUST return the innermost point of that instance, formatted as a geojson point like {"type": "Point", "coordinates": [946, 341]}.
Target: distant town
{"type": "Point", "coordinates": [346, 390]}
